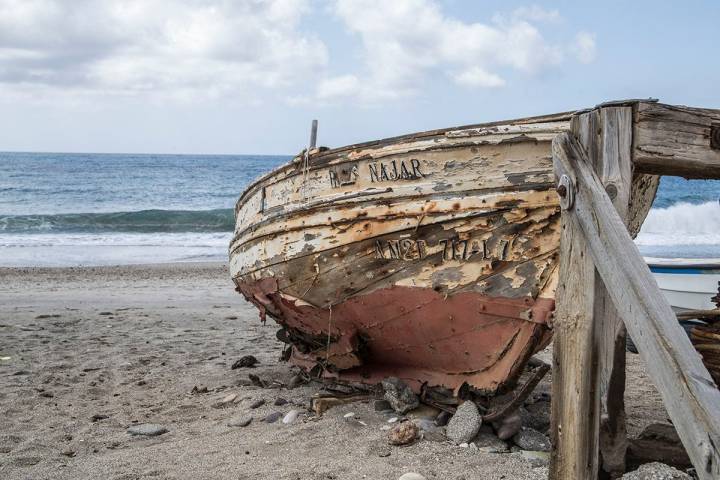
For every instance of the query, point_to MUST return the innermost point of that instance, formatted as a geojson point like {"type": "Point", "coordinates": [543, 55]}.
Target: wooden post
{"type": "Point", "coordinates": [615, 152]}
{"type": "Point", "coordinates": [589, 339]}
{"type": "Point", "coordinates": [689, 393]}
{"type": "Point", "coordinates": [313, 135]}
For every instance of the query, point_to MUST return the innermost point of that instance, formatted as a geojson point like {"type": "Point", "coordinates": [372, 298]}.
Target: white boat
{"type": "Point", "coordinates": [687, 283]}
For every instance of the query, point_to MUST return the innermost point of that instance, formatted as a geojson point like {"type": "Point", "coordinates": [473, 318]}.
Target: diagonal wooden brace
{"type": "Point", "coordinates": [689, 393]}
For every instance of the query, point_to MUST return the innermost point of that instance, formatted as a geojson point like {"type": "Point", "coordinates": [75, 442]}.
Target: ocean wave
{"type": "Point", "coordinates": [682, 224]}
{"type": "Point", "coordinates": [62, 249]}
{"type": "Point", "coordinates": [143, 221]}
{"type": "Point", "coordinates": [217, 240]}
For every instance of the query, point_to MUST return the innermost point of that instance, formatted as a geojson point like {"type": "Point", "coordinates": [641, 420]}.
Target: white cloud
{"type": "Point", "coordinates": [477, 77]}
{"type": "Point", "coordinates": [535, 13]}
{"type": "Point", "coordinates": [585, 49]}
{"type": "Point", "coordinates": [405, 41]}
{"type": "Point", "coordinates": [193, 50]}
{"type": "Point", "coordinates": [173, 48]}
{"type": "Point", "coordinates": [342, 86]}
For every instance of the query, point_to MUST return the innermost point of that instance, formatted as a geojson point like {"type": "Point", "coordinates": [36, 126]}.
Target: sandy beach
{"type": "Point", "coordinates": [94, 351]}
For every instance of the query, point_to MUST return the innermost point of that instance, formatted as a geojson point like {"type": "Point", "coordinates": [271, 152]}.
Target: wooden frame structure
{"type": "Point", "coordinates": [606, 287]}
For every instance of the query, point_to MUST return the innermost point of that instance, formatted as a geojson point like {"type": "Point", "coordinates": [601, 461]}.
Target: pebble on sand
{"type": "Point", "coordinates": [411, 476]}
{"type": "Point", "coordinates": [488, 442]}
{"type": "Point", "coordinates": [147, 430]}
{"type": "Point", "coordinates": [227, 400]}
{"type": "Point", "coordinates": [465, 424]}
{"type": "Point", "coordinates": [291, 416]}
{"type": "Point", "coordinates": [403, 433]}
{"type": "Point", "coordinates": [240, 421]}
{"type": "Point", "coordinates": [257, 403]}
{"type": "Point", "coordinates": [248, 361]}
{"type": "Point", "coordinates": [273, 417]}
{"type": "Point", "coordinates": [68, 452]}
{"type": "Point", "coordinates": [529, 439]}
{"type": "Point", "coordinates": [279, 402]}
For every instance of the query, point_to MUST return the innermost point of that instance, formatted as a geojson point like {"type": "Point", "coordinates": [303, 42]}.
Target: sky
{"type": "Point", "coordinates": [248, 76]}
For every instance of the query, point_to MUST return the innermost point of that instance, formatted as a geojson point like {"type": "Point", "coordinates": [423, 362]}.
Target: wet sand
{"type": "Point", "coordinates": [94, 351]}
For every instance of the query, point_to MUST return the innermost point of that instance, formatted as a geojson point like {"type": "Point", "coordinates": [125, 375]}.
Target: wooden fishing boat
{"type": "Point", "coordinates": [432, 257]}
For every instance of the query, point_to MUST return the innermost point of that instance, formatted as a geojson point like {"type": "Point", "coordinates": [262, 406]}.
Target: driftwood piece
{"type": "Point", "coordinates": [707, 315]}
{"type": "Point", "coordinates": [676, 140]}
{"type": "Point", "coordinates": [689, 393]}
{"type": "Point", "coordinates": [519, 396]}
{"type": "Point", "coordinates": [589, 335]}
{"type": "Point", "coordinates": [321, 404]}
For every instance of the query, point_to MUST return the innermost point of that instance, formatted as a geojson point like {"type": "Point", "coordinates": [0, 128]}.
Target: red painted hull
{"type": "Point", "coordinates": [415, 334]}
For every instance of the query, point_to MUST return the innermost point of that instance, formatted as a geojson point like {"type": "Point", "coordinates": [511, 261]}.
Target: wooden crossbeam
{"type": "Point", "coordinates": [676, 140]}
{"type": "Point", "coordinates": [689, 393]}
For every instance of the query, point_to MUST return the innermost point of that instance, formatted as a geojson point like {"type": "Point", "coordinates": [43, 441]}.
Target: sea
{"type": "Point", "coordinates": [85, 209]}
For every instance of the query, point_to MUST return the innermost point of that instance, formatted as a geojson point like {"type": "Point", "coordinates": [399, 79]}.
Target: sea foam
{"type": "Point", "coordinates": [682, 224]}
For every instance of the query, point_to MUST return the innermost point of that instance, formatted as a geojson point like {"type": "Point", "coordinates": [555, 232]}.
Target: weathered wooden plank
{"type": "Point", "coordinates": [616, 175]}
{"type": "Point", "coordinates": [689, 393]}
{"type": "Point", "coordinates": [588, 331]}
{"type": "Point", "coordinates": [676, 140]}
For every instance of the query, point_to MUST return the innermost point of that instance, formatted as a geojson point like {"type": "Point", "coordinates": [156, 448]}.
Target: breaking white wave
{"type": "Point", "coordinates": [682, 224]}
{"type": "Point", "coordinates": [60, 250]}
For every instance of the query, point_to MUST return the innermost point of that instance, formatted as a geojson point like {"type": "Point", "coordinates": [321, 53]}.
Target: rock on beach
{"type": "Point", "coordinates": [273, 417]}
{"type": "Point", "coordinates": [403, 433]}
{"type": "Point", "coordinates": [291, 416]}
{"type": "Point", "coordinates": [411, 476]}
{"type": "Point", "coordinates": [399, 395]}
{"type": "Point", "coordinates": [656, 471]}
{"type": "Point", "coordinates": [529, 439]}
{"type": "Point", "coordinates": [465, 424]}
{"type": "Point", "coordinates": [147, 430]}
{"type": "Point", "coordinates": [240, 421]}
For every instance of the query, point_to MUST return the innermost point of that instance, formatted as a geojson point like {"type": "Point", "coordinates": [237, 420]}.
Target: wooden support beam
{"type": "Point", "coordinates": [689, 393]}
{"type": "Point", "coordinates": [676, 140]}
{"type": "Point", "coordinates": [589, 339]}
{"type": "Point", "coordinates": [615, 154]}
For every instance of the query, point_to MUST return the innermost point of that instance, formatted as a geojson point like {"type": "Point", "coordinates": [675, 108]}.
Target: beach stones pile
{"type": "Point", "coordinates": [522, 433]}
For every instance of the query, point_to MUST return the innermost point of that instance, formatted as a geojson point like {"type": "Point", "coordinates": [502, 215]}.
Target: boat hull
{"type": "Point", "coordinates": [687, 283]}
{"type": "Point", "coordinates": [431, 257]}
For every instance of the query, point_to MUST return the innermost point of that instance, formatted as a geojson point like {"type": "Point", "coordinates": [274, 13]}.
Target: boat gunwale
{"type": "Point", "coordinates": [253, 186]}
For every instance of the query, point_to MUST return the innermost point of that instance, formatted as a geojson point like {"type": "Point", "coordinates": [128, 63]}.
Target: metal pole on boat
{"type": "Point", "coordinates": [313, 134]}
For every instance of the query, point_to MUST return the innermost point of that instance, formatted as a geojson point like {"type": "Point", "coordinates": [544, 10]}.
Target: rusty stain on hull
{"type": "Point", "coordinates": [430, 257]}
